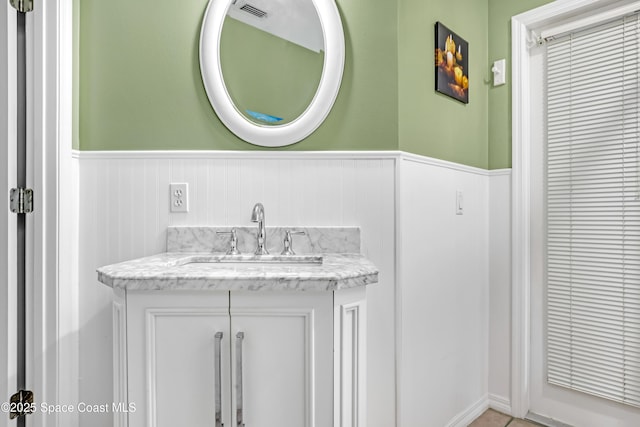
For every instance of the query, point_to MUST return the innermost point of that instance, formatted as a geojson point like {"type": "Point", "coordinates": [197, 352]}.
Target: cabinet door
{"type": "Point", "coordinates": [284, 374]}
{"type": "Point", "coordinates": [173, 358]}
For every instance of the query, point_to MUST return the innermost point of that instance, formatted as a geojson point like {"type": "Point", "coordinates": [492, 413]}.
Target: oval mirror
{"type": "Point", "coordinates": [272, 68]}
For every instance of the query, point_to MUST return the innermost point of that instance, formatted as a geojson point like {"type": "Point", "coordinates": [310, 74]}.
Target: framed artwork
{"type": "Point", "coordinates": [452, 64]}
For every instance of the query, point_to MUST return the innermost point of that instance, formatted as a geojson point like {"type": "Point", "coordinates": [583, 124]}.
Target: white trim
{"type": "Point", "coordinates": [466, 417]}
{"type": "Point", "coordinates": [500, 403]}
{"type": "Point", "coordinates": [324, 155]}
{"type": "Point", "coordinates": [520, 220]}
{"type": "Point", "coordinates": [590, 20]}
{"type": "Point", "coordinates": [544, 421]}
{"type": "Point", "coordinates": [229, 154]}
{"type": "Point", "coordinates": [120, 365]}
{"type": "Point", "coordinates": [410, 157]}
{"type": "Point", "coordinates": [351, 370]}
{"type": "Point", "coordinates": [350, 358]}
{"type": "Point", "coordinates": [52, 324]}
{"type": "Point", "coordinates": [521, 26]}
{"type": "Point", "coordinates": [557, 11]}
{"type": "Point", "coordinates": [67, 227]}
{"type": "Point", "coordinates": [500, 172]}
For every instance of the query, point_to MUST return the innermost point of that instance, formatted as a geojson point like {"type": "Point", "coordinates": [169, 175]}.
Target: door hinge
{"type": "Point", "coordinates": [22, 5]}
{"type": "Point", "coordinates": [21, 404]}
{"type": "Point", "coordinates": [21, 200]}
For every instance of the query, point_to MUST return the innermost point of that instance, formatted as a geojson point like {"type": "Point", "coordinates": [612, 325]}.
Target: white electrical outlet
{"type": "Point", "coordinates": [459, 203]}
{"type": "Point", "coordinates": [179, 197]}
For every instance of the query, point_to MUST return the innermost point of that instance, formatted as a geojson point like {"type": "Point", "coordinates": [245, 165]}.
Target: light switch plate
{"type": "Point", "coordinates": [179, 197]}
{"type": "Point", "coordinates": [499, 72]}
{"type": "Point", "coordinates": [459, 203]}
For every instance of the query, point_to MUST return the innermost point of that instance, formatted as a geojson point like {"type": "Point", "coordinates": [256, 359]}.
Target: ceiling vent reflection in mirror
{"type": "Point", "coordinates": [253, 10]}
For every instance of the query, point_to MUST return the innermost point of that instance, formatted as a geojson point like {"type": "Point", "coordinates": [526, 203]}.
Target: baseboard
{"type": "Point", "coordinates": [467, 416]}
{"type": "Point", "coordinates": [500, 403]}
{"type": "Point", "coordinates": [544, 420]}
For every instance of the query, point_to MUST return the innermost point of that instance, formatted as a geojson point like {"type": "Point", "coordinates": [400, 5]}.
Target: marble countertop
{"type": "Point", "coordinates": [201, 270]}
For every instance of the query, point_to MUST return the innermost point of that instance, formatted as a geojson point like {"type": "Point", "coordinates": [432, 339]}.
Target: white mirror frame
{"type": "Point", "coordinates": [318, 109]}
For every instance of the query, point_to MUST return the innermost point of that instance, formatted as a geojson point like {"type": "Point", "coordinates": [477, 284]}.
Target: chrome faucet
{"type": "Point", "coordinates": [258, 216]}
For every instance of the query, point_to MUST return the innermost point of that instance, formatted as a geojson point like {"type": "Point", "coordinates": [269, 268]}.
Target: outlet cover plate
{"type": "Point", "coordinates": [179, 197]}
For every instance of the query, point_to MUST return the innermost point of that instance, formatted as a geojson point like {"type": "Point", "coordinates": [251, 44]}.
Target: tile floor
{"type": "Point", "coordinates": [493, 418]}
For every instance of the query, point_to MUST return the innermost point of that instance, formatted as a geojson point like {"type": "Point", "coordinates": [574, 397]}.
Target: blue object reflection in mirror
{"type": "Point", "coordinates": [263, 117]}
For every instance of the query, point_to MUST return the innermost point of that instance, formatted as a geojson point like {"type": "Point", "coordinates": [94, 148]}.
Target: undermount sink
{"type": "Point", "coordinates": [197, 258]}
{"type": "Point", "coordinates": [227, 261]}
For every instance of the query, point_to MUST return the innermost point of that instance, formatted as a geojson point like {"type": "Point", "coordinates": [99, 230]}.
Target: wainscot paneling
{"type": "Point", "coordinates": [500, 290]}
{"type": "Point", "coordinates": [443, 293]}
{"type": "Point", "coordinates": [124, 212]}
{"type": "Point", "coordinates": [431, 321]}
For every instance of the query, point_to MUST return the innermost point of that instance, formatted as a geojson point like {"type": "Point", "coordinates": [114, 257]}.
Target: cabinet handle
{"type": "Point", "coordinates": [218, 380]}
{"type": "Point", "coordinates": [239, 338]}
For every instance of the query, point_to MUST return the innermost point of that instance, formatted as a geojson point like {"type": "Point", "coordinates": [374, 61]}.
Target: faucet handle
{"type": "Point", "coordinates": [288, 242]}
{"type": "Point", "coordinates": [233, 250]}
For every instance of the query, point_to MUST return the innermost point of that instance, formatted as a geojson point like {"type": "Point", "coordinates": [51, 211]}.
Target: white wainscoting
{"type": "Point", "coordinates": [500, 290]}
{"type": "Point", "coordinates": [124, 212]}
{"type": "Point", "coordinates": [429, 321]}
{"type": "Point", "coordinates": [443, 296]}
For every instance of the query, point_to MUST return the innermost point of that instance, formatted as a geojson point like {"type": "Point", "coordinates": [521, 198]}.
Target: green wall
{"type": "Point", "coordinates": [286, 80]}
{"type": "Point", "coordinates": [433, 124]}
{"type": "Point", "coordinates": [500, 13]}
{"type": "Point", "coordinates": [140, 86]}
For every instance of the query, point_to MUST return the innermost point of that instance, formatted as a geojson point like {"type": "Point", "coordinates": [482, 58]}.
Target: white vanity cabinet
{"type": "Point", "coordinates": [256, 358]}
{"type": "Point", "coordinates": [208, 339]}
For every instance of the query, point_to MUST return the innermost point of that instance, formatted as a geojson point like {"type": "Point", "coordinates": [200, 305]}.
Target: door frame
{"type": "Point", "coordinates": [52, 283]}
{"type": "Point", "coordinates": [523, 34]}
{"type": "Point", "coordinates": [8, 178]}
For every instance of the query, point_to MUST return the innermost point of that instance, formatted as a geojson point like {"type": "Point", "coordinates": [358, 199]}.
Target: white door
{"type": "Point", "coordinates": [8, 327]}
{"type": "Point", "coordinates": [282, 360]}
{"type": "Point", "coordinates": [178, 359]}
{"type": "Point", "coordinates": [557, 403]}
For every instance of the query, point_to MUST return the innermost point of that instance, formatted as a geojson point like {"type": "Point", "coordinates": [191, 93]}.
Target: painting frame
{"type": "Point", "coordinates": [451, 64]}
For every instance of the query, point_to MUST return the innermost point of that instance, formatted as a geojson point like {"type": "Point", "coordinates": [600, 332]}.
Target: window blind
{"type": "Point", "coordinates": [593, 211]}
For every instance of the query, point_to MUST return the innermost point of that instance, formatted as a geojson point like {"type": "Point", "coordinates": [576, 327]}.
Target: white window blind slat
{"type": "Point", "coordinates": [591, 293]}
{"type": "Point", "coordinates": [593, 211]}
{"type": "Point", "coordinates": [606, 115]}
